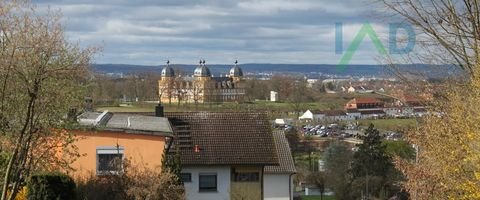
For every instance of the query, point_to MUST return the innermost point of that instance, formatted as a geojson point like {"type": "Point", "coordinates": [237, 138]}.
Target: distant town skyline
{"type": "Point", "coordinates": [150, 32]}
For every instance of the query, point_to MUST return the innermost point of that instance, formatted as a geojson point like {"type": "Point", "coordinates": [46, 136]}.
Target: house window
{"type": "Point", "coordinates": [186, 177]}
{"type": "Point", "coordinates": [207, 182]}
{"type": "Point", "coordinates": [109, 160]}
{"type": "Point", "coordinates": [246, 177]}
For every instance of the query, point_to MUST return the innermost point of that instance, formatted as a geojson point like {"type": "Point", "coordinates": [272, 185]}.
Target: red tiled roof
{"type": "Point", "coordinates": [366, 100]}
{"type": "Point", "coordinates": [223, 138]}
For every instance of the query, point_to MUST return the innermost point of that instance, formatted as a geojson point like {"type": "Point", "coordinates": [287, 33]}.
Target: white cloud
{"type": "Point", "coordinates": [272, 7]}
{"type": "Point", "coordinates": [272, 31]}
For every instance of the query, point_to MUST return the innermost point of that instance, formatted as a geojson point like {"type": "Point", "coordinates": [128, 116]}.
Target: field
{"type": "Point", "coordinates": [389, 124]}
{"type": "Point", "coordinates": [276, 109]}
{"type": "Point", "coordinates": [323, 102]}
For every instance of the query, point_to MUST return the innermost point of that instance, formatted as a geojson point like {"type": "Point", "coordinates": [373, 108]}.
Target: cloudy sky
{"type": "Point", "coordinates": [149, 32]}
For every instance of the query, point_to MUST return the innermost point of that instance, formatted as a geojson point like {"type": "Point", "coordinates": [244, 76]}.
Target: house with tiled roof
{"type": "Point", "coordinates": [278, 180]}
{"type": "Point", "coordinates": [364, 103]}
{"type": "Point", "coordinates": [223, 155]}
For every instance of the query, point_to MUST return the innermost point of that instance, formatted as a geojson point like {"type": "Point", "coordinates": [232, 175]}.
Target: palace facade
{"type": "Point", "coordinates": [202, 87]}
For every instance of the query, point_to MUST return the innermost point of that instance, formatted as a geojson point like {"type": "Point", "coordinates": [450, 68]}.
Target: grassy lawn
{"type": "Point", "coordinates": [323, 102]}
{"type": "Point", "coordinates": [317, 197]}
{"type": "Point", "coordinates": [388, 124]}
{"type": "Point", "coordinates": [303, 157]}
{"type": "Point", "coordinates": [275, 109]}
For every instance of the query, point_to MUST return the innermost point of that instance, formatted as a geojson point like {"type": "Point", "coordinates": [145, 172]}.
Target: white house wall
{"type": "Point", "coordinates": [354, 115]}
{"type": "Point", "coordinates": [318, 117]}
{"type": "Point", "coordinates": [276, 187]}
{"type": "Point", "coordinates": [340, 118]}
{"type": "Point", "coordinates": [223, 183]}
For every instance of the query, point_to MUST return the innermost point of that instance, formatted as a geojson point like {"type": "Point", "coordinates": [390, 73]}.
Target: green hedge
{"type": "Point", "coordinates": [51, 186]}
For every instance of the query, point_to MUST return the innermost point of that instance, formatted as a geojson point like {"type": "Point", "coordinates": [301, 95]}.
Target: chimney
{"type": "Point", "coordinates": [159, 110]}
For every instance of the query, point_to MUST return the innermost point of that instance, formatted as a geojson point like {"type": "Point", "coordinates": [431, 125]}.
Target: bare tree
{"type": "Point", "coordinates": [318, 179]}
{"type": "Point", "coordinates": [284, 85]}
{"type": "Point", "coordinates": [449, 30]}
{"type": "Point", "coordinates": [149, 86]}
{"type": "Point", "coordinates": [449, 34]}
{"type": "Point", "coordinates": [167, 88]}
{"type": "Point", "coordinates": [257, 89]}
{"type": "Point", "coordinates": [195, 92]}
{"type": "Point", "coordinates": [40, 77]}
{"type": "Point", "coordinates": [180, 91]}
{"type": "Point", "coordinates": [298, 96]}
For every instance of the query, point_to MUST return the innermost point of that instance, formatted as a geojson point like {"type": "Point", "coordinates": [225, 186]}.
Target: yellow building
{"type": "Point", "coordinates": [202, 87]}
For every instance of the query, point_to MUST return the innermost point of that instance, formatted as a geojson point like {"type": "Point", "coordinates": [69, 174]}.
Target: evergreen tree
{"type": "Point", "coordinates": [371, 156]}
{"type": "Point", "coordinates": [372, 167]}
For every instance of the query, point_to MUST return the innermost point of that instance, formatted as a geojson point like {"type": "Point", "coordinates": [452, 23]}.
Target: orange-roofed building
{"type": "Point", "coordinates": [364, 103]}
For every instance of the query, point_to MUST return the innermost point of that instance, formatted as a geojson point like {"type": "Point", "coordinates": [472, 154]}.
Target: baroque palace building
{"type": "Point", "coordinates": [202, 87]}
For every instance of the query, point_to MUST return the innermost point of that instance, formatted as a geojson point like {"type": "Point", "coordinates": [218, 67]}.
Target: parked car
{"type": "Point", "coordinates": [307, 127]}
{"type": "Point", "coordinates": [333, 126]}
{"type": "Point", "coordinates": [345, 135]}
{"type": "Point", "coordinates": [320, 132]}
{"type": "Point", "coordinates": [288, 128]}
{"type": "Point", "coordinates": [393, 136]}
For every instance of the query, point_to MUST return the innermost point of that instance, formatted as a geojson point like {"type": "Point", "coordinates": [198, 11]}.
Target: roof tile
{"type": "Point", "coordinates": [284, 155]}
{"type": "Point", "coordinates": [223, 138]}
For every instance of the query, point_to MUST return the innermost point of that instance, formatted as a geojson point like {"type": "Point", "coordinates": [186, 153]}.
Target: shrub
{"type": "Point", "coordinates": [103, 187]}
{"type": "Point", "coordinates": [156, 186]}
{"type": "Point", "coordinates": [51, 186]}
{"type": "Point", "coordinates": [135, 183]}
